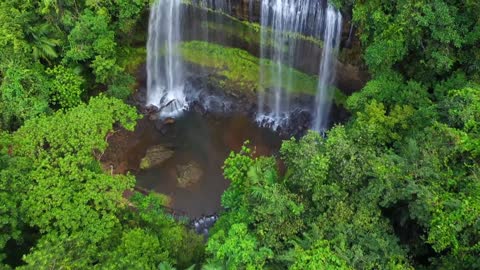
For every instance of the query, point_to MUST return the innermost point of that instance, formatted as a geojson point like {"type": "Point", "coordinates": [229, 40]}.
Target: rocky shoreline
{"type": "Point", "coordinates": [208, 99]}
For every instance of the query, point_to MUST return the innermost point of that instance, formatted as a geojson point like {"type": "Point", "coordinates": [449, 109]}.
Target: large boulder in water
{"type": "Point", "coordinates": [188, 174]}
{"type": "Point", "coordinates": [156, 156]}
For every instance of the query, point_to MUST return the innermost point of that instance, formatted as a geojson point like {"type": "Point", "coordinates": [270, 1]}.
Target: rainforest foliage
{"type": "Point", "coordinates": [395, 187]}
{"type": "Point", "coordinates": [64, 70]}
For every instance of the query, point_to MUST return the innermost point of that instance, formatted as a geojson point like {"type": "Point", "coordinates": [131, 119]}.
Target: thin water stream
{"type": "Point", "coordinates": [331, 44]}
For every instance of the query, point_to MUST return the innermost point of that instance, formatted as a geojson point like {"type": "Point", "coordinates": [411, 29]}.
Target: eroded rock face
{"type": "Point", "coordinates": [156, 156]}
{"type": "Point", "coordinates": [189, 174]}
{"type": "Point", "coordinates": [350, 69]}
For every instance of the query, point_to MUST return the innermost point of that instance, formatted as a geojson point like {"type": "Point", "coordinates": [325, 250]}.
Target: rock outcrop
{"type": "Point", "coordinates": [189, 174]}
{"type": "Point", "coordinates": [156, 156]}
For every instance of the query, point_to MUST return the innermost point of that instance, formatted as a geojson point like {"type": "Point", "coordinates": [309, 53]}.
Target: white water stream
{"type": "Point", "coordinates": [165, 81]}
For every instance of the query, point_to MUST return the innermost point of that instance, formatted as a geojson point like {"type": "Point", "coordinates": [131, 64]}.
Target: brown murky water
{"type": "Point", "coordinates": [207, 142]}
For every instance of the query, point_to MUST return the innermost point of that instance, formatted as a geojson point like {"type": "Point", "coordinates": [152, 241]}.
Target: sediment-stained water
{"type": "Point", "coordinates": [206, 141]}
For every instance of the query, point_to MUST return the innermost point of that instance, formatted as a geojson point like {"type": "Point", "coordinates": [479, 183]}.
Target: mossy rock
{"type": "Point", "coordinates": [189, 174]}
{"type": "Point", "coordinates": [243, 69]}
{"type": "Point", "coordinates": [237, 69]}
{"type": "Point", "coordinates": [156, 156]}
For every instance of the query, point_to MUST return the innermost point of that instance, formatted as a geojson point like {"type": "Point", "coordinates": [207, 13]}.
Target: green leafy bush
{"type": "Point", "coordinates": [66, 86]}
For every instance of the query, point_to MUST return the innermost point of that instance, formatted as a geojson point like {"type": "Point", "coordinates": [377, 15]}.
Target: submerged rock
{"type": "Point", "coordinates": [169, 121]}
{"type": "Point", "coordinates": [189, 174]}
{"type": "Point", "coordinates": [151, 109]}
{"type": "Point", "coordinates": [154, 116]}
{"type": "Point", "coordinates": [156, 156]}
{"type": "Point", "coordinates": [204, 224]}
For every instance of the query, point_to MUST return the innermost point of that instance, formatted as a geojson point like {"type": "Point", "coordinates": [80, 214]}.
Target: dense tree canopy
{"type": "Point", "coordinates": [397, 186]}
{"type": "Point", "coordinates": [59, 195]}
{"type": "Point", "coordinates": [59, 208]}
{"type": "Point", "coordinates": [53, 50]}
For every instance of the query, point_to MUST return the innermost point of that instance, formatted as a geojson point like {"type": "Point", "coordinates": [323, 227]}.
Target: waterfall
{"type": "Point", "coordinates": [165, 82]}
{"type": "Point", "coordinates": [331, 43]}
{"type": "Point", "coordinates": [286, 27]}
{"type": "Point", "coordinates": [281, 20]}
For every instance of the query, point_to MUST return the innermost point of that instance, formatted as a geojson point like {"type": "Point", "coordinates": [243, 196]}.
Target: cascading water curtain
{"type": "Point", "coordinates": [165, 82]}
{"type": "Point", "coordinates": [331, 44]}
{"type": "Point", "coordinates": [279, 19]}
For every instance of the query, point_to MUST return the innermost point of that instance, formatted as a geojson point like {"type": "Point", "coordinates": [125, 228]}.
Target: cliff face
{"type": "Point", "coordinates": [246, 9]}
{"type": "Point", "coordinates": [250, 10]}
{"type": "Point", "coordinates": [241, 30]}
